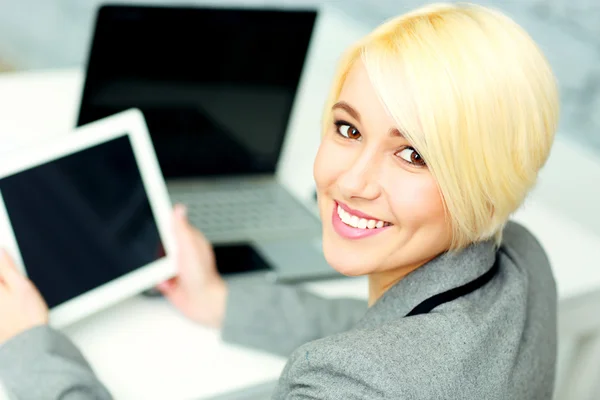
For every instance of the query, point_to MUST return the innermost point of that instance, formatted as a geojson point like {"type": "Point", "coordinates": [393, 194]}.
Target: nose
{"type": "Point", "coordinates": [360, 180]}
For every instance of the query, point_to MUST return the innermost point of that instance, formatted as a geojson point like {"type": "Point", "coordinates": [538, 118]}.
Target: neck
{"type": "Point", "coordinates": [381, 282]}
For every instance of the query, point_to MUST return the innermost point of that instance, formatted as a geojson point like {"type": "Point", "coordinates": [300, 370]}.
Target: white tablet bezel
{"type": "Point", "coordinates": [128, 123]}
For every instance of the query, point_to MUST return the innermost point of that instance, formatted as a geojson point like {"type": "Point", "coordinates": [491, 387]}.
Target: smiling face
{"type": "Point", "coordinates": [381, 208]}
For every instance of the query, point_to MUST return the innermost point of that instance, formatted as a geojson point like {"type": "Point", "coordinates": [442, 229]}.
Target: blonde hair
{"type": "Point", "coordinates": [484, 106]}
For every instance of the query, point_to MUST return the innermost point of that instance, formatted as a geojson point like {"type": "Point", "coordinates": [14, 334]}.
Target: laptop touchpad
{"type": "Point", "coordinates": [297, 259]}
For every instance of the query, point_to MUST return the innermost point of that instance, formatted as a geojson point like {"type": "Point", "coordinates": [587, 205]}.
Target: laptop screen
{"type": "Point", "coordinates": [216, 86]}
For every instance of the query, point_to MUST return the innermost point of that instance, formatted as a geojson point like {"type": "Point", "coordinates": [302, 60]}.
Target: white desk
{"type": "Point", "coordinates": [142, 348]}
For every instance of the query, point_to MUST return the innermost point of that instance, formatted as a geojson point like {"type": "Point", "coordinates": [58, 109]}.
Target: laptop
{"type": "Point", "coordinates": [216, 87]}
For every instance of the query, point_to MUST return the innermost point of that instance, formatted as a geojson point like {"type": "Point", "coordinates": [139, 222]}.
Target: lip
{"type": "Point", "coordinates": [349, 232]}
{"type": "Point", "coordinates": [355, 212]}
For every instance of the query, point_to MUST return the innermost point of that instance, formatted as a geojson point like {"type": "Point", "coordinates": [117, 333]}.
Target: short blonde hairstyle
{"type": "Point", "coordinates": [484, 107]}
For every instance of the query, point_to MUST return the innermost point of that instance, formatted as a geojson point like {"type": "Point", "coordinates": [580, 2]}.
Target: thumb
{"type": "Point", "coordinates": [167, 286]}
{"type": "Point", "coordinates": [181, 225]}
{"type": "Point", "coordinates": [180, 214]}
{"type": "Point", "coordinates": [8, 270]}
{"type": "Point", "coordinates": [171, 290]}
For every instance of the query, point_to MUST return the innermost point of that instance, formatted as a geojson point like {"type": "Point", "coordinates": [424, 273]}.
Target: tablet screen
{"type": "Point", "coordinates": [82, 220]}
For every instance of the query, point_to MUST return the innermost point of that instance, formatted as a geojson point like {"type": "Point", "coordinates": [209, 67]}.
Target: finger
{"type": "Point", "coordinates": [8, 270]}
{"type": "Point", "coordinates": [180, 223]}
{"type": "Point", "coordinates": [5, 257]}
{"type": "Point", "coordinates": [168, 288]}
{"type": "Point", "coordinates": [166, 284]}
{"type": "Point", "coordinates": [180, 213]}
{"type": "Point", "coordinates": [186, 236]}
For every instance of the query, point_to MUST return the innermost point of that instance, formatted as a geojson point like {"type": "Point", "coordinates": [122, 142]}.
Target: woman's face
{"type": "Point", "coordinates": [380, 206]}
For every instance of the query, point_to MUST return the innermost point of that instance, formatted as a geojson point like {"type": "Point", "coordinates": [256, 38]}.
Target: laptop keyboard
{"type": "Point", "coordinates": [239, 213]}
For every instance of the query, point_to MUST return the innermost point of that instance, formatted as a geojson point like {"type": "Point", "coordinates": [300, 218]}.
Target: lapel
{"type": "Point", "coordinates": [445, 272]}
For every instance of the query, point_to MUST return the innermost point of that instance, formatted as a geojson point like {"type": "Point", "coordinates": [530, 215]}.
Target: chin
{"type": "Point", "coordinates": [345, 261]}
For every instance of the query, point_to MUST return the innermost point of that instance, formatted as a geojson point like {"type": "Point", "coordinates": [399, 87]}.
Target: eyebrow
{"type": "Point", "coordinates": [393, 132]}
{"type": "Point", "coordinates": [348, 108]}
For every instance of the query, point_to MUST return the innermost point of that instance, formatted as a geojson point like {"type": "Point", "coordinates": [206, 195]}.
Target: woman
{"type": "Point", "coordinates": [435, 130]}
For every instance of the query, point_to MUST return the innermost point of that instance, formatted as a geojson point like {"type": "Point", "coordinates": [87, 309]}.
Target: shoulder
{"type": "Point", "coordinates": [421, 357]}
{"type": "Point", "coordinates": [526, 263]}
{"type": "Point", "coordinates": [488, 344]}
{"type": "Point", "coordinates": [521, 244]}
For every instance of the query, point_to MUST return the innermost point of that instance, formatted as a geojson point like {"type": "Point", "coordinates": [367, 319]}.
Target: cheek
{"type": "Point", "coordinates": [416, 201]}
{"type": "Point", "coordinates": [329, 164]}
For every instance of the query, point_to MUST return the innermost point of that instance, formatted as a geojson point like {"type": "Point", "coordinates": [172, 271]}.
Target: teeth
{"type": "Point", "coordinates": [345, 218]}
{"type": "Point", "coordinates": [360, 223]}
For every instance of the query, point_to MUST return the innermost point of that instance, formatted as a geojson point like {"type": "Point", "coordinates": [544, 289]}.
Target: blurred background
{"type": "Point", "coordinates": [49, 34]}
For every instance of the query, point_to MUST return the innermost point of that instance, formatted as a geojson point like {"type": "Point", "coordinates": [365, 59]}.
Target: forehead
{"type": "Point", "coordinates": [357, 84]}
{"type": "Point", "coordinates": [359, 92]}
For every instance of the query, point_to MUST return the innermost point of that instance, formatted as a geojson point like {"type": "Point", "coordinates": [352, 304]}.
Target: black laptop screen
{"type": "Point", "coordinates": [216, 86]}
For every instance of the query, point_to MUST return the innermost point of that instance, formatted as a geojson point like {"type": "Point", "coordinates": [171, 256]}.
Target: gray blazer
{"type": "Point", "coordinates": [498, 342]}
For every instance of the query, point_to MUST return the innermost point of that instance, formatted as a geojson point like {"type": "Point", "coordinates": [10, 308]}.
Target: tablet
{"type": "Point", "coordinates": [87, 216]}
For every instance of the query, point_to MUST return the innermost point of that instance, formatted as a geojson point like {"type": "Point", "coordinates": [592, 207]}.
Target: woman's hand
{"type": "Point", "coordinates": [21, 305]}
{"type": "Point", "coordinates": [198, 291]}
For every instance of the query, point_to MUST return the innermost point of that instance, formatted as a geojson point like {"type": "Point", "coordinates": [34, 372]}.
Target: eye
{"type": "Point", "coordinates": [411, 156]}
{"type": "Point", "coordinates": [347, 130]}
